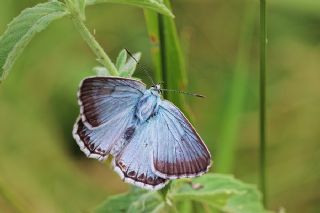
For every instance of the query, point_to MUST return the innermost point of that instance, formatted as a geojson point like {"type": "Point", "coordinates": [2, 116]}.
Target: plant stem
{"type": "Point", "coordinates": [94, 45]}
{"type": "Point", "coordinates": [163, 51]}
{"type": "Point", "coordinates": [163, 60]}
{"type": "Point", "coordinates": [152, 23]}
{"type": "Point", "coordinates": [263, 40]}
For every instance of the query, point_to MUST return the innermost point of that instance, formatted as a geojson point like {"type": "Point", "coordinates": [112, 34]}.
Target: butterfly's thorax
{"type": "Point", "coordinates": [147, 105]}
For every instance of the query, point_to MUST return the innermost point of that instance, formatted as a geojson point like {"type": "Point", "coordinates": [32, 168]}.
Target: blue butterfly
{"type": "Point", "coordinates": [151, 141]}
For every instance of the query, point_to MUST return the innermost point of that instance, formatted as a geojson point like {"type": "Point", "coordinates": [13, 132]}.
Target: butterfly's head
{"type": "Point", "coordinates": [156, 87]}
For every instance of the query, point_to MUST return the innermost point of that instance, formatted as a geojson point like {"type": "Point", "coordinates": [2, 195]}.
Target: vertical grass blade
{"type": "Point", "coordinates": [163, 54]}
{"type": "Point", "coordinates": [151, 19]}
{"type": "Point", "coordinates": [263, 40]}
{"type": "Point", "coordinates": [172, 60]}
{"type": "Point", "coordinates": [238, 89]}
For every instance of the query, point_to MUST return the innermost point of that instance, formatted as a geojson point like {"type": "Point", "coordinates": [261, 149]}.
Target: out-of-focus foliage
{"type": "Point", "coordinates": [41, 167]}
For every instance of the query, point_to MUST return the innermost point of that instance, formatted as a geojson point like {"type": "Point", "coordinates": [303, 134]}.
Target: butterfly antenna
{"type": "Point", "coordinates": [142, 67]}
{"type": "Point", "coordinates": [182, 92]}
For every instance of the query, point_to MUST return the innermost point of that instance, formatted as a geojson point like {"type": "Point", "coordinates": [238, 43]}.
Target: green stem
{"type": "Point", "coordinates": [163, 63]}
{"type": "Point", "coordinates": [93, 44]}
{"type": "Point", "coordinates": [152, 23]}
{"type": "Point", "coordinates": [263, 39]}
{"type": "Point", "coordinates": [163, 52]}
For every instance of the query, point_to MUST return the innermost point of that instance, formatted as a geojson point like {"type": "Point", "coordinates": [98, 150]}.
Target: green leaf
{"type": "Point", "coordinates": [156, 5]}
{"type": "Point", "coordinates": [22, 29]}
{"type": "Point", "coordinates": [220, 191]}
{"type": "Point", "coordinates": [214, 191]}
{"type": "Point", "coordinates": [138, 201]}
{"type": "Point", "coordinates": [118, 203]}
{"type": "Point", "coordinates": [127, 69]}
{"type": "Point", "coordinates": [148, 202]}
{"type": "Point", "coordinates": [121, 59]}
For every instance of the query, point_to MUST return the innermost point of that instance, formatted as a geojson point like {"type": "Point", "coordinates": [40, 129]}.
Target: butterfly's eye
{"type": "Point", "coordinates": [157, 87]}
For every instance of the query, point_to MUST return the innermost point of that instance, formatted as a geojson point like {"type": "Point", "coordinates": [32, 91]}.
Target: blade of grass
{"type": "Point", "coordinates": [173, 65]}
{"type": "Point", "coordinates": [164, 70]}
{"type": "Point", "coordinates": [231, 114]}
{"type": "Point", "coordinates": [163, 53]}
{"type": "Point", "coordinates": [263, 42]}
{"type": "Point", "coordinates": [151, 19]}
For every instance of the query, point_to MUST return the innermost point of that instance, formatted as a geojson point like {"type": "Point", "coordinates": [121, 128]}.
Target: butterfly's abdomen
{"type": "Point", "coordinates": [147, 106]}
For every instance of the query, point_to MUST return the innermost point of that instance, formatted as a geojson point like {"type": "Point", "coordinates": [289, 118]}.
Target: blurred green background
{"type": "Point", "coordinates": [41, 167]}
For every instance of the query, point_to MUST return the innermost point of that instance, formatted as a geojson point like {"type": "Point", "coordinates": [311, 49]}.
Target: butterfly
{"type": "Point", "coordinates": [150, 139]}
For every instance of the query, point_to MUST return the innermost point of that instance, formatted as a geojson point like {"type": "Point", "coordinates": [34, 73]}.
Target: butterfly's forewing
{"type": "Point", "coordinates": [107, 112]}
{"type": "Point", "coordinates": [134, 162]}
{"type": "Point", "coordinates": [103, 99]}
{"type": "Point", "coordinates": [178, 149]}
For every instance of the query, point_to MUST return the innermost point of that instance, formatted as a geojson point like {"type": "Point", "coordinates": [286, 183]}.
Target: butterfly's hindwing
{"type": "Point", "coordinates": [100, 142]}
{"type": "Point", "coordinates": [91, 141]}
{"type": "Point", "coordinates": [134, 162]}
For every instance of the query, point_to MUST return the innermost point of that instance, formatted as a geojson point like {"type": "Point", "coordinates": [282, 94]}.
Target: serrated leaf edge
{"type": "Point", "coordinates": [24, 41]}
